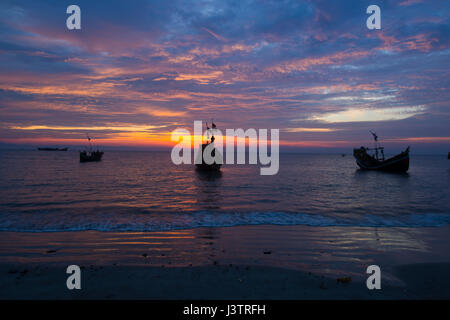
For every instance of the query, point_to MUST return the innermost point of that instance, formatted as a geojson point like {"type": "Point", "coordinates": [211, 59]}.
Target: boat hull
{"type": "Point", "coordinates": [208, 167]}
{"type": "Point", "coordinates": [203, 166]}
{"type": "Point", "coordinates": [398, 163]}
{"type": "Point", "coordinates": [91, 157]}
{"type": "Point", "coordinates": [52, 149]}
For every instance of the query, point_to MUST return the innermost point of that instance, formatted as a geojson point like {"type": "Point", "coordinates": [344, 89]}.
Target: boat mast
{"type": "Point", "coordinates": [207, 132]}
{"type": "Point", "coordinates": [377, 147]}
{"type": "Point", "coordinates": [90, 144]}
{"type": "Point", "coordinates": [375, 138]}
{"type": "Point", "coordinates": [213, 126]}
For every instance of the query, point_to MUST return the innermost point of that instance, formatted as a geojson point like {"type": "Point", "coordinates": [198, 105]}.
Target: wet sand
{"type": "Point", "coordinates": [247, 262]}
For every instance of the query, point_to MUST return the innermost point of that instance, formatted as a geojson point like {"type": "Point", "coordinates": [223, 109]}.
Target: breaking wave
{"type": "Point", "coordinates": [56, 222]}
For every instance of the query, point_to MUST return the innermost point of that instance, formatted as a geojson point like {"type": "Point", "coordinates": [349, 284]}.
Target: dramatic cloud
{"type": "Point", "coordinates": [137, 70]}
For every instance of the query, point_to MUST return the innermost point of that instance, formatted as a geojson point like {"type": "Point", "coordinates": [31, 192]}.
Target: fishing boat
{"type": "Point", "coordinates": [374, 159]}
{"type": "Point", "coordinates": [201, 165]}
{"type": "Point", "coordinates": [52, 149]}
{"type": "Point", "coordinates": [90, 155]}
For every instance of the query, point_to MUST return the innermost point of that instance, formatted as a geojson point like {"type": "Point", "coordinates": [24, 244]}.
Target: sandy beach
{"type": "Point", "coordinates": [246, 262]}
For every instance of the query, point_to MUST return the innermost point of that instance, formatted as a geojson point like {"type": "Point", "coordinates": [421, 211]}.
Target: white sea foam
{"type": "Point", "coordinates": [172, 221]}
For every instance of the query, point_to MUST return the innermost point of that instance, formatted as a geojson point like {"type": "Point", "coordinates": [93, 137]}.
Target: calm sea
{"type": "Point", "coordinates": [143, 191]}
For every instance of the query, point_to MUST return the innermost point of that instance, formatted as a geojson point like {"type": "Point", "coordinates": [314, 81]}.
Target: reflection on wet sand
{"type": "Point", "coordinates": [323, 250]}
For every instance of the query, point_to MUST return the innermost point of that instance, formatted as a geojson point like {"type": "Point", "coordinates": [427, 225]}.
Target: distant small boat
{"type": "Point", "coordinates": [376, 161]}
{"type": "Point", "coordinates": [205, 166]}
{"type": "Point", "coordinates": [52, 149]}
{"type": "Point", "coordinates": [90, 155]}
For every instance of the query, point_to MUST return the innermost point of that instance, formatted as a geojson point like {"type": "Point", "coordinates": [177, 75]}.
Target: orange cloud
{"type": "Point", "coordinates": [201, 78]}
{"type": "Point", "coordinates": [306, 63]}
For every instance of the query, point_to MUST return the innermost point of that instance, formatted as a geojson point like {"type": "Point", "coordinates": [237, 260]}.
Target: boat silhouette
{"type": "Point", "coordinates": [90, 155]}
{"type": "Point", "coordinates": [52, 149]}
{"type": "Point", "coordinates": [203, 166]}
{"type": "Point", "coordinates": [373, 158]}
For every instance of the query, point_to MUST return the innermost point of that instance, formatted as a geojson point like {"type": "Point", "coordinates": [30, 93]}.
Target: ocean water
{"type": "Point", "coordinates": [144, 191]}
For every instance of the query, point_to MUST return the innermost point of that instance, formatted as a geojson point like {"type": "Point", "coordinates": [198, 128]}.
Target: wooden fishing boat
{"type": "Point", "coordinates": [53, 149]}
{"type": "Point", "coordinates": [373, 159]}
{"type": "Point", "coordinates": [90, 155]}
{"type": "Point", "coordinates": [201, 165]}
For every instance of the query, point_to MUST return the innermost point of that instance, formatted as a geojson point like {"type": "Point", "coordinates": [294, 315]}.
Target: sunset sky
{"type": "Point", "coordinates": [139, 69]}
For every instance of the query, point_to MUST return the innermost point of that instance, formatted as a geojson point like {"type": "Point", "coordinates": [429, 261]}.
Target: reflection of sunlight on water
{"type": "Point", "coordinates": [159, 237]}
{"type": "Point", "coordinates": [387, 239]}
{"type": "Point", "coordinates": [208, 186]}
{"type": "Point", "coordinates": [329, 251]}
{"type": "Point", "coordinates": [127, 184]}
